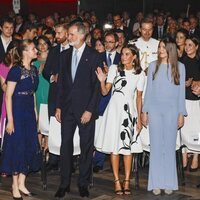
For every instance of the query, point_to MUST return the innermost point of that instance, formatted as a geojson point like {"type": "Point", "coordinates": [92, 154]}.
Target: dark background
{"type": "Point", "coordinates": [102, 7]}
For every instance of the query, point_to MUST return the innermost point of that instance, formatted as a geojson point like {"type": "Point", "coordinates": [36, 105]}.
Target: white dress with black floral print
{"type": "Point", "coordinates": [116, 132]}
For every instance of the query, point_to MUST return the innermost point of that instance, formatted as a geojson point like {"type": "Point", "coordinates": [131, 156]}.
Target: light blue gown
{"type": "Point", "coordinates": [163, 101]}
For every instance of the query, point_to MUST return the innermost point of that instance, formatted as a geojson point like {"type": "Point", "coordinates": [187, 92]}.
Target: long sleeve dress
{"type": "Point", "coordinates": [163, 101]}
{"type": "Point", "coordinates": [21, 151]}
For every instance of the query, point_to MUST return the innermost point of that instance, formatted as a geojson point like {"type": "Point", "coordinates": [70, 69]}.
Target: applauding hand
{"type": "Point", "coordinates": [100, 75]}
{"type": "Point", "coordinates": [188, 83]}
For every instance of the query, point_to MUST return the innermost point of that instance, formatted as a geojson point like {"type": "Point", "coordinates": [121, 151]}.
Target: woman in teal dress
{"type": "Point", "coordinates": [43, 45]}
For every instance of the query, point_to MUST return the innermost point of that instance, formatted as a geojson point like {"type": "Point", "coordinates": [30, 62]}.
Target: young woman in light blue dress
{"type": "Point", "coordinates": [164, 110]}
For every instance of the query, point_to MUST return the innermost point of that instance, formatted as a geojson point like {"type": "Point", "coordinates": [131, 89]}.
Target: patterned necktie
{"type": "Point", "coordinates": [109, 61]}
{"type": "Point", "coordinates": [74, 64]}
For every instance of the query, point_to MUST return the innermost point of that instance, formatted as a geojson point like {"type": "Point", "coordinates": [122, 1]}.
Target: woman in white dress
{"type": "Point", "coordinates": [119, 130]}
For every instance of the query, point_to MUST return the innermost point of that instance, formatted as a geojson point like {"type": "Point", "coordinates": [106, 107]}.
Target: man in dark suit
{"type": "Point", "coordinates": [194, 31]}
{"type": "Point", "coordinates": [50, 73]}
{"type": "Point", "coordinates": [118, 24]}
{"type": "Point", "coordinates": [160, 28]}
{"type": "Point", "coordinates": [128, 22]}
{"type": "Point", "coordinates": [19, 22]}
{"type": "Point", "coordinates": [6, 28]}
{"type": "Point", "coordinates": [78, 94]}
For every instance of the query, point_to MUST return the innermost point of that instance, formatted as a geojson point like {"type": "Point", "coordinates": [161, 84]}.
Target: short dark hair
{"type": "Point", "coordinates": [146, 21]}
{"type": "Point", "coordinates": [119, 31]}
{"type": "Point", "coordinates": [50, 31]}
{"type": "Point", "coordinates": [6, 19]}
{"type": "Point", "coordinates": [43, 37]}
{"type": "Point", "coordinates": [29, 26]}
{"type": "Point", "coordinates": [183, 31]}
{"type": "Point", "coordinates": [186, 20]}
{"type": "Point", "coordinates": [63, 25]}
{"type": "Point", "coordinates": [112, 33]}
{"type": "Point", "coordinates": [117, 14]}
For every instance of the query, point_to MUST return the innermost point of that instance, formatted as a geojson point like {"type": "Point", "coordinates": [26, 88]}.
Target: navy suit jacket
{"type": "Point", "coordinates": [52, 68]}
{"type": "Point", "coordinates": [52, 62]}
{"type": "Point", "coordinates": [115, 61]}
{"type": "Point", "coordinates": [155, 32]}
{"type": "Point", "coordinates": [82, 94]}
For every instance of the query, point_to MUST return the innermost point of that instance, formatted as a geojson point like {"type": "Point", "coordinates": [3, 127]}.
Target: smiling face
{"type": "Point", "coordinates": [191, 48]}
{"type": "Point", "coordinates": [117, 21]}
{"type": "Point", "coordinates": [99, 46]}
{"type": "Point", "coordinates": [121, 39]}
{"type": "Point", "coordinates": [146, 31]}
{"type": "Point", "coordinates": [127, 57]}
{"type": "Point", "coordinates": [42, 46]}
{"type": "Point", "coordinates": [186, 25]}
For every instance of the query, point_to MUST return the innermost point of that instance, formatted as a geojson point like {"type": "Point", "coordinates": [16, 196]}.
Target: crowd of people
{"type": "Point", "coordinates": [115, 81]}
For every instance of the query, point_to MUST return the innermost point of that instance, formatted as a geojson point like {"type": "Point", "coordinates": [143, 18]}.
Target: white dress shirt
{"type": "Point", "coordinates": [5, 43]}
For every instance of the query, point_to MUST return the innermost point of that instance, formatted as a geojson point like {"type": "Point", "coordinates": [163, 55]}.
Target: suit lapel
{"type": "Point", "coordinates": [1, 46]}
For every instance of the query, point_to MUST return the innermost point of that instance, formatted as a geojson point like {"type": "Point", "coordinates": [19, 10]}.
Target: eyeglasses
{"type": "Point", "coordinates": [109, 42]}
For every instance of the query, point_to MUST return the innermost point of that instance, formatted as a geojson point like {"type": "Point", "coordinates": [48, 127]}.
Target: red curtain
{"type": "Point", "coordinates": [5, 7]}
{"type": "Point", "coordinates": [46, 7]}
{"type": "Point", "coordinates": [41, 7]}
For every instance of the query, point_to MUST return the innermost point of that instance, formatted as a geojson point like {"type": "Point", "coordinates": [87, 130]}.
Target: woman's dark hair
{"type": "Point", "coordinates": [195, 40]}
{"type": "Point", "coordinates": [172, 59]}
{"type": "Point", "coordinates": [186, 35]}
{"type": "Point", "coordinates": [100, 40]}
{"type": "Point", "coordinates": [136, 62]}
{"type": "Point", "coordinates": [47, 41]}
{"type": "Point", "coordinates": [12, 55]}
{"type": "Point", "coordinates": [49, 31]}
{"type": "Point", "coordinates": [184, 32]}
